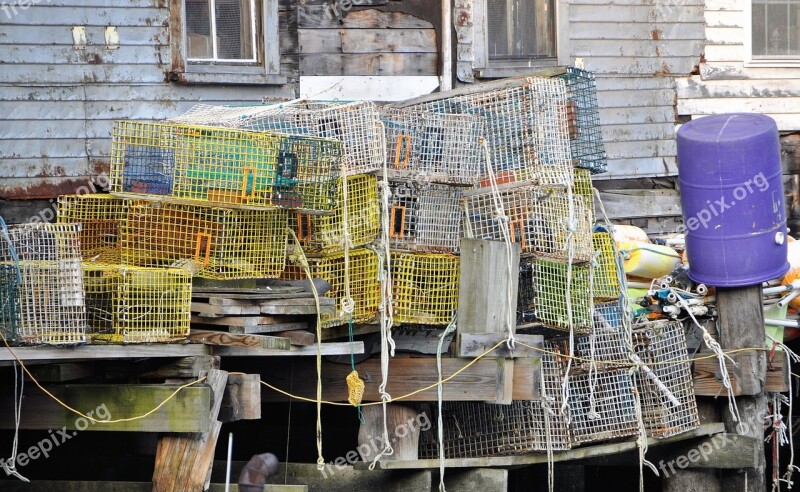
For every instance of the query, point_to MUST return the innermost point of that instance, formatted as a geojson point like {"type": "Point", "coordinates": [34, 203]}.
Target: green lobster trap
{"type": "Point", "coordinates": [137, 305]}
{"type": "Point", "coordinates": [555, 281]}
{"type": "Point", "coordinates": [213, 242]}
{"type": "Point", "coordinates": [221, 166]}
{"type": "Point", "coordinates": [586, 138]}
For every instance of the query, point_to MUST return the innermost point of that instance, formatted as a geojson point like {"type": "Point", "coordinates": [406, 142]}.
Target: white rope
{"type": "Point", "coordinates": [791, 356]}
{"type": "Point", "coordinates": [387, 319]}
{"type": "Point", "coordinates": [451, 327]}
{"type": "Point", "coordinates": [569, 227]}
{"type": "Point", "coordinates": [547, 411]}
{"type": "Point", "coordinates": [11, 465]}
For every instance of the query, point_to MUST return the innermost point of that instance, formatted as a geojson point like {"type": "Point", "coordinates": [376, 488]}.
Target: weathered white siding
{"type": "Point", "coordinates": [726, 83]}
{"type": "Point", "coordinates": [636, 48]}
{"type": "Point", "coordinates": [57, 103]}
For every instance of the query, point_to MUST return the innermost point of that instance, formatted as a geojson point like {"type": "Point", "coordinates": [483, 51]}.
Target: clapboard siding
{"type": "Point", "coordinates": [58, 103]}
{"type": "Point", "coordinates": [726, 83]}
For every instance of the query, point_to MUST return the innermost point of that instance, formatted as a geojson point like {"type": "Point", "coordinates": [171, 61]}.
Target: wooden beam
{"type": "Point", "coordinates": [272, 328]}
{"type": "Point", "coordinates": [242, 398]}
{"type": "Point", "coordinates": [336, 332]}
{"type": "Point", "coordinates": [239, 320]}
{"type": "Point", "coordinates": [187, 411]}
{"type": "Point", "coordinates": [299, 338]}
{"type": "Point", "coordinates": [59, 373]}
{"type": "Point", "coordinates": [87, 352]}
{"type": "Point", "coordinates": [223, 339]}
{"type": "Point", "coordinates": [706, 382]}
{"type": "Point", "coordinates": [477, 383]}
{"type": "Point", "coordinates": [473, 345]}
{"type": "Point", "coordinates": [335, 348]}
{"type": "Point", "coordinates": [186, 367]}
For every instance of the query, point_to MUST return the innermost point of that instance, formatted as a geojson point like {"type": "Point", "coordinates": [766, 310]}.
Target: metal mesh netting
{"type": "Point", "coordinates": [582, 187]}
{"type": "Point", "coordinates": [586, 139]}
{"type": "Point", "coordinates": [51, 301]}
{"type": "Point", "coordinates": [545, 221]}
{"type": "Point", "coordinates": [365, 286]}
{"type": "Point", "coordinates": [662, 345]}
{"type": "Point", "coordinates": [526, 129]}
{"type": "Point", "coordinates": [525, 292]}
{"type": "Point", "coordinates": [224, 166]}
{"type": "Point", "coordinates": [216, 243]}
{"type": "Point", "coordinates": [424, 218]}
{"type": "Point", "coordinates": [324, 234]}
{"type": "Point", "coordinates": [602, 406]}
{"type": "Point", "coordinates": [356, 124]}
{"type": "Point", "coordinates": [100, 217]}
{"type": "Point", "coordinates": [550, 283]}
{"type": "Point", "coordinates": [606, 271]}
{"type": "Point", "coordinates": [425, 288]}
{"type": "Point", "coordinates": [440, 147]}
{"type": "Point", "coordinates": [473, 429]}
{"type": "Point", "coordinates": [10, 283]}
{"type": "Point", "coordinates": [137, 305]}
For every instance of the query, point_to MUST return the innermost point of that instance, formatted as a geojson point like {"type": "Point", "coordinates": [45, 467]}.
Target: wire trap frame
{"type": "Point", "coordinates": [606, 284]}
{"type": "Point", "coordinates": [356, 124]}
{"type": "Point", "coordinates": [547, 222]}
{"type": "Point", "coordinates": [602, 406]}
{"type": "Point", "coordinates": [552, 288]}
{"type": "Point", "coordinates": [425, 288]}
{"type": "Point", "coordinates": [213, 242]}
{"type": "Point", "coordinates": [586, 139]}
{"type": "Point", "coordinates": [50, 298]}
{"type": "Point", "coordinates": [100, 216]}
{"type": "Point", "coordinates": [221, 166]}
{"type": "Point", "coordinates": [424, 217]}
{"type": "Point", "coordinates": [137, 305]}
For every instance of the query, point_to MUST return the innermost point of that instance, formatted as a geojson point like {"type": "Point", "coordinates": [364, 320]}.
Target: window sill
{"type": "Point", "coordinates": [226, 78]}
{"type": "Point", "coordinates": [499, 72]}
{"type": "Point", "coordinates": [772, 63]}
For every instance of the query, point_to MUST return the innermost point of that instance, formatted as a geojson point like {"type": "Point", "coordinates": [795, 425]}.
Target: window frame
{"type": "Point", "coordinates": [264, 71]}
{"type": "Point", "coordinates": [483, 67]}
{"type": "Point", "coordinates": [748, 60]}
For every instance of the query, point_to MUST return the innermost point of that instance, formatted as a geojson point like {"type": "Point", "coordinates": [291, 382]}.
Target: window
{"type": "Point", "coordinates": [514, 35]}
{"type": "Point", "coordinates": [227, 42]}
{"type": "Point", "coordinates": [774, 34]}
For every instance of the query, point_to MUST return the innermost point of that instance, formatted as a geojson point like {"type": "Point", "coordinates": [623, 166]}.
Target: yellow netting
{"type": "Point", "coordinates": [144, 305]}
{"type": "Point", "coordinates": [216, 243]}
{"type": "Point", "coordinates": [582, 186]}
{"type": "Point", "coordinates": [100, 216]}
{"type": "Point", "coordinates": [325, 233]}
{"type": "Point", "coordinates": [364, 284]}
{"type": "Point", "coordinates": [425, 288]}
{"type": "Point", "coordinates": [606, 272]}
{"type": "Point", "coordinates": [203, 164]}
{"type": "Point", "coordinates": [355, 388]}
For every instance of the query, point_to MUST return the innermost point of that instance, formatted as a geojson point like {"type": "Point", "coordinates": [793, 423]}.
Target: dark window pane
{"type": "Point", "coordinates": [520, 29]}
{"type": "Point", "coordinates": [234, 33]}
{"type": "Point", "coordinates": [198, 29]}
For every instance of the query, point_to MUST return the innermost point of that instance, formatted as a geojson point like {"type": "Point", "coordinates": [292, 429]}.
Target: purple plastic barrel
{"type": "Point", "coordinates": [732, 197]}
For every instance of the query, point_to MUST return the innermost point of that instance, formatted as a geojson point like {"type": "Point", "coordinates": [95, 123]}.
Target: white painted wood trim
{"type": "Point", "coordinates": [371, 88]}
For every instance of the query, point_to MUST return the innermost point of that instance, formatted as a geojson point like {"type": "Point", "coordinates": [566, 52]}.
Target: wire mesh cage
{"type": "Point", "coordinates": [582, 187]}
{"type": "Point", "coordinates": [100, 217]}
{"type": "Point", "coordinates": [606, 272]}
{"type": "Point", "coordinates": [525, 127]}
{"type": "Point", "coordinates": [442, 147]}
{"type": "Point", "coordinates": [526, 310]}
{"type": "Point", "coordinates": [215, 243]}
{"type": "Point", "coordinates": [554, 282]}
{"type": "Point", "coordinates": [662, 345]}
{"type": "Point", "coordinates": [211, 165]}
{"type": "Point", "coordinates": [137, 305]}
{"type": "Point", "coordinates": [602, 406]}
{"type": "Point", "coordinates": [547, 222]}
{"type": "Point", "coordinates": [424, 217]}
{"type": "Point", "coordinates": [324, 234]}
{"type": "Point", "coordinates": [425, 287]}
{"type": "Point", "coordinates": [474, 429]}
{"type": "Point", "coordinates": [584, 120]}
{"type": "Point", "coordinates": [50, 296]}
{"type": "Point", "coordinates": [364, 281]}
{"type": "Point", "coordinates": [356, 124]}
{"type": "Point", "coordinates": [10, 283]}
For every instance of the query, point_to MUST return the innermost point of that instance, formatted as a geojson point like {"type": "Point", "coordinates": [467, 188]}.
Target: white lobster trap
{"type": "Point", "coordinates": [424, 217]}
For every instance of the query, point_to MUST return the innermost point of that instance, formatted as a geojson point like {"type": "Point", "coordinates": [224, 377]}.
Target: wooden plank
{"type": "Point", "coordinates": [223, 339]}
{"type": "Point", "coordinates": [183, 368]}
{"type": "Point", "coordinates": [337, 332]}
{"type": "Point", "coordinates": [271, 328]}
{"type": "Point", "coordinates": [106, 486]}
{"type": "Point", "coordinates": [87, 352]}
{"type": "Point", "coordinates": [242, 398]}
{"type": "Point", "coordinates": [388, 40]}
{"type": "Point", "coordinates": [220, 290]}
{"type": "Point", "coordinates": [239, 320]}
{"type": "Point", "coordinates": [230, 299]}
{"type": "Point", "coordinates": [187, 411]}
{"type": "Point", "coordinates": [474, 345]}
{"type": "Point", "coordinates": [314, 17]}
{"type": "Point", "coordinates": [285, 307]}
{"type": "Point", "coordinates": [373, 88]}
{"type": "Point", "coordinates": [484, 305]}
{"type": "Point", "coordinates": [477, 383]}
{"type": "Point", "coordinates": [300, 338]}
{"type": "Point", "coordinates": [626, 204]}
{"type": "Point", "coordinates": [342, 348]}
{"type": "Point", "coordinates": [207, 310]}
{"type": "Point", "coordinates": [369, 64]}
{"type": "Point", "coordinates": [59, 373]}
{"type": "Point", "coordinates": [583, 452]}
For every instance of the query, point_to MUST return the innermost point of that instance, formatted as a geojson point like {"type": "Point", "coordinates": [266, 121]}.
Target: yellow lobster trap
{"type": "Point", "coordinates": [606, 273]}
{"type": "Point", "coordinates": [215, 243]}
{"type": "Point", "coordinates": [362, 275]}
{"type": "Point", "coordinates": [50, 299]}
{"type": "Point", "coordinates": [137, 305]}
{"type": "Point", "coordinates": [100, 216]}
{"type": "Point", "coordinates": [325, 234]}
{"type": "Point", "coordinates": [547, 222]}
{"type": "Point", "coordinates": [424, 288]}
{"type": "Point", "coordinates": [236, 168]}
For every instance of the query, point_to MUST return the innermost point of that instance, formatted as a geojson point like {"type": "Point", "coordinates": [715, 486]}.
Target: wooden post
{"type": "Point", "coordinates": [695, 479]}
{"type": "Point", "coordinates": [741, 325]}
{"type": "Point", "coordinates": [404, 425]}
